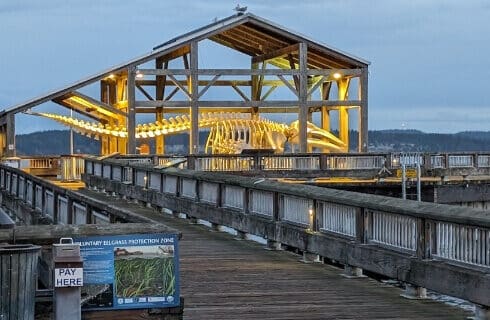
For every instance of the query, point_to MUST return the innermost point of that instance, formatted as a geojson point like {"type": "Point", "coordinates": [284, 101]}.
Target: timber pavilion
{"type": "Point", "coordinates": [318, 79]}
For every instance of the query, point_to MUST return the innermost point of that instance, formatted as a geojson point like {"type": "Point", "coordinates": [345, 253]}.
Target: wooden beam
{"type": "Point", "coordinates": [223, 108]}
{"type": "Point", "coordinates": [245, 47]}
{"type": "Point", "coordinates": [279, 43]}
{"type": "Point", "coordinates": [171, 94]}
{"type": "Point", "coordinates": [276, 54]}
{"type": "Point", "coordinates": [302, 97]}
{"type": "Point", "coordinates": [160, 81]}
{"type": "Point", "coordinates": [99, 104]}
{"type": "Point", "coordinates": [143, 91]}
{"type": "Point", "coordinates": [240, 92]}
{"type": "Point", "coordinates": [363, 123]}
{"type": "Point", "coordinates": [194, 91]}
{"type": "Point", "coordinates": [223, 72]}
{"type": "Point", "coordinates": [96, 117]}
{"type": "Point", "coordinates": [318, 82]}
{"type": "Point", "coordinates": [268, 92]}
{"type": "Point", "coordinates": [248, 72]}
{"type": "Point", "coordinates": [286, 82]}
{"type": "Point", "coordinates": [208, 85]}
{"type": "Point", "coordinates": [218, 83]}
{"type": "Point", "coordinates": [181, 87]}
{"type": "Point", "coordinates": [179, 52]}
{"type": "Point", "coordinates": [249, 104]}
{"type": "Point", "coordinates": [343, 93]}
{"type": "Point", "coordinates": [335, 56]}
{"type": "Point", "coordinates": [10, 135]}
{"type": "Point", "coordinates": [325, 113]}
{"type": "Point", "coordinates": [222, 41]}
{"type": "Point", "coordinates": [49, 234]}
{"type": "Point", "coordinates": [131, 122]}
{"type": "Point", "coordinates": [160, 139]}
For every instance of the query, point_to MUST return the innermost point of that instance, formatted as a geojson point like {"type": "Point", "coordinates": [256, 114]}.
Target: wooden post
{"type": "Point", "coordinates": [254, 90]}
{"type": "Point", "coordinates": [10, 136]}
{"type": "Point", "coordinates": [343, 86]}
{"type": "Point", "coordinates": [131, 122]}
{"type": "Point", "coordinates": [159, 95]}
{"type": "Point", "coordinates": [104, 141]}
{"type": "Point", "coordinates": [363, 123]}
{"type": "Point", "coordinates": [302, 98]}
{"type": "Point", "coordinates": [2, 141]}
{"type": "Point", "coordinates": [194, 108]}
{"type": "Point", "coordinates": [325, 117]}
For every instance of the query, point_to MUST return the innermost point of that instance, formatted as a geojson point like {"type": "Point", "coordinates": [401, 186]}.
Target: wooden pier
{"type": "Point", "coordinates": [223, 278]}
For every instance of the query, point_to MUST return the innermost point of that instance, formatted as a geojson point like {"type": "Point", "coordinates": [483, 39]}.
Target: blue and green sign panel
{"type": "Point", "coordinates": [130, 271]}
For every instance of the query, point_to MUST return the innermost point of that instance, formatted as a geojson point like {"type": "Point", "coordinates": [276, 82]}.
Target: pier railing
{"type": "Point", "coordinates": [64, 167]}
{"type": "Point", "coordinates": [319, 162]}
{"type": "Point", "coordinates": [440, 247]}
{"type": "Point", "coordinates": [444, 248]}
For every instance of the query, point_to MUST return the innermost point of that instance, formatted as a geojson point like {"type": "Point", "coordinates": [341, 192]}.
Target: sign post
{"type": "Point", "coordinates": [68, 279]}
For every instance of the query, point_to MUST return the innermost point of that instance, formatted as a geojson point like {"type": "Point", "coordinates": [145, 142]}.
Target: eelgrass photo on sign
{"type": "Point", "coordinates": [144, 271]}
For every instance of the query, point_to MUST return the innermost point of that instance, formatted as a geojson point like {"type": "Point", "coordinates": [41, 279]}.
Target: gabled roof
{"type": "Point", "coordinates": [246, 33]}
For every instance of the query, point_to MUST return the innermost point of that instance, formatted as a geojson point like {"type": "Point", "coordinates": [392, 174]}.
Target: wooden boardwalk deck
{"type": "Point", "coordinates": [222, 278]}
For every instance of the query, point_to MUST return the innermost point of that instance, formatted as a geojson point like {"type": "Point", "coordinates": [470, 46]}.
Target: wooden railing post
{"type": "Point", "coordinates": [422, 242]}
{"type": "Point", "coordinates": [361, 220]}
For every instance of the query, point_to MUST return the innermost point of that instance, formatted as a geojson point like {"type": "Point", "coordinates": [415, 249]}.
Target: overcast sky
{"type": "Point", "coordinates": [429, 59]}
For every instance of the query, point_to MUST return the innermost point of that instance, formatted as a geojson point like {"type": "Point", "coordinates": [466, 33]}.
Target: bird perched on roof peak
{"type": "Point", "coordinates": [240, 10]}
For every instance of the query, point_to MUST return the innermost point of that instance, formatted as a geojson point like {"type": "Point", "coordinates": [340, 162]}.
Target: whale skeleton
{"type": "Point", "coordinates": [229, 132]}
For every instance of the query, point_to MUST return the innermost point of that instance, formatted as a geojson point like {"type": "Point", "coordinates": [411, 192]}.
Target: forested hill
{"type": "Point", "coordinates": [57, 142]}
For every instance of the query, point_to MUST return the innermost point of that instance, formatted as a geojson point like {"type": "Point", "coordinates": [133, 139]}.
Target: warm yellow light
{"type": "Point", "coordinates": [139, 75]}
{"type": "Point", "coordinates": [337, 75]}
{"type": "Point", "coordinates": [112, 76]}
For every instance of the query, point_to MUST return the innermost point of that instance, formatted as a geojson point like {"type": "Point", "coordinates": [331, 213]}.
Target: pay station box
{"type": "Point", "coordinates": [68, 279]}
{"type": "Point", "coordinates": [68, 264]}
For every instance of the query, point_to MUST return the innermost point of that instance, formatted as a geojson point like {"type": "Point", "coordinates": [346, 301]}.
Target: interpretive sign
{"type": "Point", "coordinates": [130, 271]}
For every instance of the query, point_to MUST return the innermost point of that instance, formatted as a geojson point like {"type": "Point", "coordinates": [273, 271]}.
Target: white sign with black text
{"type": "Point", "coordinates": [68, 277]}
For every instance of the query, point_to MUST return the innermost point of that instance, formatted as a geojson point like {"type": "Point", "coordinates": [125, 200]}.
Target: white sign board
{"type": "Point", "coordinates": [68, 277]}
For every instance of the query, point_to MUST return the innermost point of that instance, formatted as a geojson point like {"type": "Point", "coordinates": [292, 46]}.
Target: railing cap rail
{"type": "Point", "coordinates": [426, 210]}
